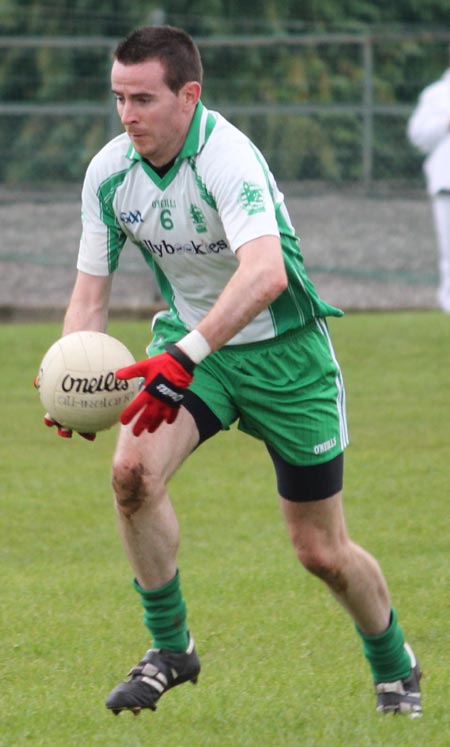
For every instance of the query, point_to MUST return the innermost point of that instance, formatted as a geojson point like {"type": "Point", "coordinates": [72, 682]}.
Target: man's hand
{"type": "Point", "coordinates": [66, 432]}
{"type": "Point", "coordinates": [62, 430]}
{"type": "Point", "coordinates": [166, 376]}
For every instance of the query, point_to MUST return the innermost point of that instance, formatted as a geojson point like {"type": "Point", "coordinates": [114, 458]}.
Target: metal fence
{"type": "Point", "coordinates": [356, 136]}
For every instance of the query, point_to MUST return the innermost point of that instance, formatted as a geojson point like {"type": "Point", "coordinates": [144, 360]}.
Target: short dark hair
{"type": "Point", "coordinates": [172, 46]}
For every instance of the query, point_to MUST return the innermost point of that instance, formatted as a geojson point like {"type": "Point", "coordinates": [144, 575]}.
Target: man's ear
{"type": "Point", "coordinates": [190, 94]}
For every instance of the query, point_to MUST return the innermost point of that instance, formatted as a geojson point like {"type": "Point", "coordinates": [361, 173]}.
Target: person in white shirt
{"type": "Point", "coordinates": [244, 339]}
{"type": "Point", "coordinates": [429, 131]}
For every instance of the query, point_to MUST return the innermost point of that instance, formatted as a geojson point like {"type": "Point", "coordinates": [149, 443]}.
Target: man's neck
{"type": "Point", "coordinates": [161, 170]}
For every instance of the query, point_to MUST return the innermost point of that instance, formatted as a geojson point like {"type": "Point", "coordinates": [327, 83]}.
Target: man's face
{"type": "Point", "coordinates": [156, 119]}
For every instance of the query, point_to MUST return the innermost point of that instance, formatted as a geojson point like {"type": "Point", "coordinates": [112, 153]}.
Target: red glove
{"type": "Point", "coordinates": [166, 376]}
{"type": "Point", "coordinates": [62, 430]}
{"type": "Point", "coordinates": [66, 432]}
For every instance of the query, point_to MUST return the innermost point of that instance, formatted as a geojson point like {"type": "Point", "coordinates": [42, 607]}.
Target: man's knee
{"type": "Point", "coordinates": [325, 563]}
{"type": "Point", "coordinates": [133, 485]}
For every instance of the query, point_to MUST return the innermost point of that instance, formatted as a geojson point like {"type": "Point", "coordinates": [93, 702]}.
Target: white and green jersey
{"type": "Point", "coordinates": [189, 223]}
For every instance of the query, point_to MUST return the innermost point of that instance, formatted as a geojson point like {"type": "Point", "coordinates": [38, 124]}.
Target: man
{"type": "Point", "coordinates": [429, 131]}
{"type": "Point", "coordinates": [245, 339]}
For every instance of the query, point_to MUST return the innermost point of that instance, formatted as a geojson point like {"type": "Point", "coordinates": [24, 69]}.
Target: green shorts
{"type": "Point", "coordinates": [288, 391]}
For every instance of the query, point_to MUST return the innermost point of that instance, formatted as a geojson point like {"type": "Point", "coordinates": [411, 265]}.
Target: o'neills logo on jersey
{"type": "Point", "coordinates": [165, 248]}
{"type": "Point", "coordinates": [84, 385]}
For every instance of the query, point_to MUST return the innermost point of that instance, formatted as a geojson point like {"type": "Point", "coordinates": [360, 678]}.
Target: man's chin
{"type": "Point", "coordinates": [138, 145]}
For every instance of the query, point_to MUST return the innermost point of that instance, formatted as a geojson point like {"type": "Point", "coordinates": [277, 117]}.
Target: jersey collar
{"type": "Point", "coordinates": [200, 129]}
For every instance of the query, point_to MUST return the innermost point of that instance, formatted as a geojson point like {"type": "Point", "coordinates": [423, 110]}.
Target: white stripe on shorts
{"type": "Point", "coordinates": [340, 399]}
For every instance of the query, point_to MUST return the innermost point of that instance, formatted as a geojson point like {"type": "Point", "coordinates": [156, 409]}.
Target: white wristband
{"type": "Point", "coordinates": [195, 346]}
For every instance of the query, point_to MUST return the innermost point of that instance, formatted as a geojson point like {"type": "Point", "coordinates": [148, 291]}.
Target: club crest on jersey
{"type": "Point", "coordinates": [251, 198]}
{"type": "Point", "coordinates": [198, 219]}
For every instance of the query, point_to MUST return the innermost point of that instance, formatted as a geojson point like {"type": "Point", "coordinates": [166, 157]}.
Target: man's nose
{"type": "Point", "coordinates": [128, 113]}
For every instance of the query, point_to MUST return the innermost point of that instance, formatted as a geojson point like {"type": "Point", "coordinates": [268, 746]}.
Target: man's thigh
{"type": "Point", "coordinates": [160, 453]}
{"type": "Point", "coordinates": [288, 392]}
{"type": "Point", "coordinates": [316, 523]}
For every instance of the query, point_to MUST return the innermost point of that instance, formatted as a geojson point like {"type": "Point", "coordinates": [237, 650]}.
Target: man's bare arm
{"type": "Point", "coordinates": [88, 306]}
{"type": "Point", "coordinates": [258, 280]}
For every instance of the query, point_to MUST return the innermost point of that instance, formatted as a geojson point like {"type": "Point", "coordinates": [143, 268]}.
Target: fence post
{"type": "Point", "coordinates": [367, 100]}
{"type": "Point", "coordinates": [113, 127]}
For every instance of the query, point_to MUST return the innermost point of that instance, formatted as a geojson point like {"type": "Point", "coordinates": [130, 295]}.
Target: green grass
{"type": "Point", "coordinates": [281, 662]}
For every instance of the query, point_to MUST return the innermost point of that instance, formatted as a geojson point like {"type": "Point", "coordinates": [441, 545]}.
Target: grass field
{"type": "Point", "coordinates": [282, 665]}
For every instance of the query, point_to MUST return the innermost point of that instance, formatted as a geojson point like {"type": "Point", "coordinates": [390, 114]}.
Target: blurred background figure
{"type": "Point", "coordinates": [429, 130]}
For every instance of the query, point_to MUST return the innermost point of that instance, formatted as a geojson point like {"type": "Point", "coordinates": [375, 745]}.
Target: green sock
{"type": "Point", "coordinates": [165, 615]}
{"type": "Point", "coordinates": [386, 654]}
